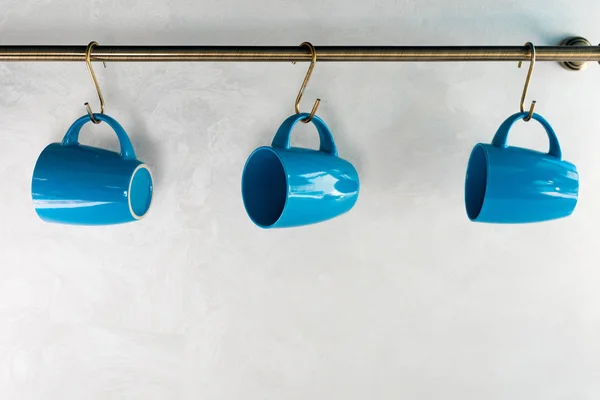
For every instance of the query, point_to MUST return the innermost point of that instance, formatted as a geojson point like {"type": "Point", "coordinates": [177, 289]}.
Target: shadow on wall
{"type": "Point", "coordinates": [146, 148]}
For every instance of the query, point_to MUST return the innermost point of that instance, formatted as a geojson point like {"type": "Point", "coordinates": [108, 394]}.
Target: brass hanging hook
{"type": "Point", "coordinates": [306, 79]}
{"type": "Point", "coordinates": [527, 80]}
{"type": "Point", "coordinates": [88, 62]}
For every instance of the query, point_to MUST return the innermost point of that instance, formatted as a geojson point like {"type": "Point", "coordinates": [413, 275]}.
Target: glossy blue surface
{"type": "Point", "coordinates": [284, 186]}
{"type": "Point", "coordinates": [507, 184]}
{"type": "Point", "coordinates": [83, 185]}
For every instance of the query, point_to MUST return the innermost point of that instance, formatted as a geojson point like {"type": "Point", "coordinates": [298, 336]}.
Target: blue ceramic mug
{"type": "Point", "coordinates": [283, 186]}
{"type": "Point", "coordinates": [83, 185]}
{"type": "Point", "coordinates": [507, 184]}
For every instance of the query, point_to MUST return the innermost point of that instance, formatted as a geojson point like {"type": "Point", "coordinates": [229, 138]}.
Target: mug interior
{"type": "Point", "coordinates": [264, 187]}
{"type": "Point", "coordinates": [476, 182]}
{"type": "Point", "coordinates": [140, 191]}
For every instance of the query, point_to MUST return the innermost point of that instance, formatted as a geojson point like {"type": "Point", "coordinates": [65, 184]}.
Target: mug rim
{"type": "Point", "coordinates": [133, 214]}
{"type": "Point", "coordinates": [287, 188]}
{"type": "Point", "coordinates": [478, 147]}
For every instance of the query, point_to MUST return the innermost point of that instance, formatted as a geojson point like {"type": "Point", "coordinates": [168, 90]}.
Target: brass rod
{"type": "Point", "coordinates": [297, 53]}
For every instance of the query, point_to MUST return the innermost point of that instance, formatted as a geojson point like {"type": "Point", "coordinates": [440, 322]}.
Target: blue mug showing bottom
{"type": "Point", "coordinates": [283, 186]}
{"type": "Point", "coordinates": [84, 185]}
{"type": "Point", "coordinates": [507, 184]}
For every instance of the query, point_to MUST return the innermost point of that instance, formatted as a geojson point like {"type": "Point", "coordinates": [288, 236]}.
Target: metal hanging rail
{"type": "Point", "coordinates": [574, 54]}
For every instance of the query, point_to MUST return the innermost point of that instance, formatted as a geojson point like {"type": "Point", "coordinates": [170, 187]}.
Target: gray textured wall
{"type": "Point", "coordinates": [403, 298]}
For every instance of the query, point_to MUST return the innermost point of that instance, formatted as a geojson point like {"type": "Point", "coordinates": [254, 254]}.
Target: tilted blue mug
{"type": "Point", "coordinates": [507, 184]}
{"type": "Point", "coordinates": [84, 185]}
{"type": "Point", "coordinates": [284, 186]}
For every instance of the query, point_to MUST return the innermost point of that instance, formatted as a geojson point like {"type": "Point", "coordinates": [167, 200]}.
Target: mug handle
{"type": "Point", "coordinates": [72, 135]}
{"type": "Point", "coordinates": [282, 137]}
{"type": "Point", "coordinates": [502, 134]}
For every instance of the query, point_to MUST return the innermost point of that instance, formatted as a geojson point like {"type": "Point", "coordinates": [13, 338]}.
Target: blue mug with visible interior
{"type": "Point", "coordinates": [507, 184]}
{"type": "Point", "coordinates": [284, 186]}
{"type": "Point", "coordinates": [83, 185]}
